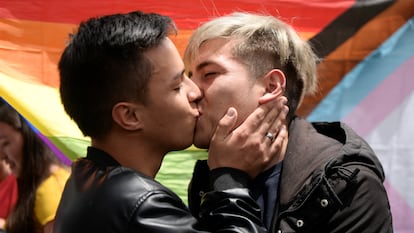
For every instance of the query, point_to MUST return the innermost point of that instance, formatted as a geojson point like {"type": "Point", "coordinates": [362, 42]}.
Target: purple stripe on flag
{"type": "Point", "coordinates": [62, 157]}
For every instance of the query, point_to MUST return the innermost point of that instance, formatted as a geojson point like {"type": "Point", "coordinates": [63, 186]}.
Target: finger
{"type": "Point", "coordinates": [222, 132]}
{"type": "Point", "coordinates": [260, 116]}
{"type": "Point", "coordinates": [272, 120]}
{"type": "Point", "coordinates": [278, 144]}
{"type": "Point", "coordinates": [226, 124]}
{"type": "Point", "coordinates": [280, 119]}
{"type": "Point", "coordinates": [267, 98]}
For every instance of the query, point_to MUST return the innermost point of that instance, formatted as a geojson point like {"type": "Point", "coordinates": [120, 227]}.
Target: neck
{"type": "Point", "coordinates": [130, 153]}
{"type": "Point", "coordinates": [282, 152]}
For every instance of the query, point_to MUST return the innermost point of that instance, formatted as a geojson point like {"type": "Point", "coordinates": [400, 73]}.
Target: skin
{"type": "Point", "coordinates": [144, 133]}
{"type": "Point", "coordinates": [226, 82]}
{"type": "Point", "coordinates": [164, 123]}
{"type": "Point", "coordinates": [4, 172]}
{"type": "Point", "coordinates": [172, 96]}
{"type": "Point", "coordinates": [219, 84]}
{"type": "Point", "coordinates": [11, 147]}
{"type": "Point", "coordinates": [11, 150]}
{"type": "Point", "coordinates": [4, 168]}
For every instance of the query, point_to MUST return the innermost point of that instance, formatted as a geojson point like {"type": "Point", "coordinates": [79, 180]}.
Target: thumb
{"type": "Point", "coordinates": [226, 124]}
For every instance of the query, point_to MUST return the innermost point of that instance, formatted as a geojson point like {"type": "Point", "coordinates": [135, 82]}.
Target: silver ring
{"type": "Point", "coordinates": [270, 136]}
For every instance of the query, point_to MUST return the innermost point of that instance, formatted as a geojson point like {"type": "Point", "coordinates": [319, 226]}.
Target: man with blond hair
{"type": "Point", "coordinates": [326, 177]}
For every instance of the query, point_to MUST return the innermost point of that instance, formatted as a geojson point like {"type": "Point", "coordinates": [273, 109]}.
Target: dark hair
{"type": "Point", "coordinates": [104, 63]}
{"type": "Point", "coordinates": [37, 158]}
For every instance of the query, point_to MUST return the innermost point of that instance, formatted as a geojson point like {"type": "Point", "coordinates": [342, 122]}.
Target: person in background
{"type": "Point", "coordinates": [8, 189]}
{"type": "Point", "coordinates": [327, 178]}
{"type": "Point", "coordinates": [40, 174]}
{"type": "Point", "coordinates": [122, 81]}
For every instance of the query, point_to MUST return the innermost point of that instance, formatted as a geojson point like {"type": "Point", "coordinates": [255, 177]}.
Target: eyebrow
{"type": "Point", "coordinates": [179, 75]}
{"type": "Point", "coordinates": [204, 64]}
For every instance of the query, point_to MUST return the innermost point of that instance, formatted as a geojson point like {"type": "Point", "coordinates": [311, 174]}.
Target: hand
{"type": "Point", "coordinates": [246, 148]}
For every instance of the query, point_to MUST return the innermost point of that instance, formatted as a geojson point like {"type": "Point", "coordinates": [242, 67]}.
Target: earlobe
{"type": "Point", "coordinates": [275, 83]}
{"type": "Point", "coordinates": [125, 116]}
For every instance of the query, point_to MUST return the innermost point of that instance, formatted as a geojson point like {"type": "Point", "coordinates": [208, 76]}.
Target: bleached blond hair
{"type": "Point", "coordinates": [262, 43]}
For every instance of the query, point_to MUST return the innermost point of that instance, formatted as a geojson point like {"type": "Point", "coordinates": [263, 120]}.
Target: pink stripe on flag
{"type": "Point", "coordinates": [383, 100]}
{"type": "Point", "coordinates": [401, 211]}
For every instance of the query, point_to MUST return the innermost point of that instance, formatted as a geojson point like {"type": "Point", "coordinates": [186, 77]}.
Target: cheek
{"type": "Point", "coordinates": [12, 153]}
{"type": "Point", "coordinates": [2, 154]}
{"type": "Point", "coordinates": [15, 151]}
{"type": "Point", "coordinates": [244, 100]}
{"type": "Point", "coordinates": [218, 99]}
{"type": "Point", "coordinates": [173, 113]}
{"type": "Point", "coordinates": [224, 93]}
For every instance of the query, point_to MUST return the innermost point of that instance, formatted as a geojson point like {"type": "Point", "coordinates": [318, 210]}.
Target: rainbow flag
{"type": "Point", "coordinates": [366, 73]}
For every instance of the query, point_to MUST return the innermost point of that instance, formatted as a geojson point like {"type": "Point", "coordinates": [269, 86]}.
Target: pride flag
{"type": "Point", "coordinates": [366, 73]}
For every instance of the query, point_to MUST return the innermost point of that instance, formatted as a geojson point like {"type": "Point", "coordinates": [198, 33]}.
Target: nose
{"type": "Point", "coordinates": [194, 93]}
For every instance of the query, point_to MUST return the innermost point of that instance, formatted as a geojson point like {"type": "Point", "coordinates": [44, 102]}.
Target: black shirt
{"type": "Point", "coordinates": [264, 190]}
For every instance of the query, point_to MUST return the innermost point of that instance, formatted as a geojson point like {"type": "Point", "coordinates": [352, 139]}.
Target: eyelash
{"type": "Point", "coordinates": [210, 73]}
{"type": "Point", "coordinates": [190, 74]}
{"type": "Point", "coordinates": [178, 88]}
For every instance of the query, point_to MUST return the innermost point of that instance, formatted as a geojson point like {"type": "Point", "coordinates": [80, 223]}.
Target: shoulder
{"type": "Point", "coordinates": [134, 195]}
{"type": "Point", "coordinates": [48, 195]}
{"type": "Point", "coordinates": [132, 180]}
{"type": "Point", "coordinates": [316, 147]}
{"type": "Point", "coordinates": [138, 186]}
{"type": "Point", "coordinates": [342, 144]}
{"type": "Point", "coordinates": [93, 190]}
{"type": "Point", "coordinates": [365, 205]}
{"type": "Point", "coordinates": [119, 187]}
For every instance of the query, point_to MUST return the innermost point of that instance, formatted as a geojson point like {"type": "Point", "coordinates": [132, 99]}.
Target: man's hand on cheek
{"type": "Point", "coordinates": [255, 144]}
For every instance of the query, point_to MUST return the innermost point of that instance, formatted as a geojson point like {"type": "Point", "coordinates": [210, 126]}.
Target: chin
{"type": "Point", "coordinates": [201, 144]}
{"type": "Point", "coordinates": [202, 138]}
{"type": "Point", "coordinates": [183, 145]}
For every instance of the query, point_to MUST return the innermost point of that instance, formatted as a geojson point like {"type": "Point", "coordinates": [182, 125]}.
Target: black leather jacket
{"type": "Point", "coordinates": [102, 196]}
{"type": "Point", "coordinates": [331, 182]}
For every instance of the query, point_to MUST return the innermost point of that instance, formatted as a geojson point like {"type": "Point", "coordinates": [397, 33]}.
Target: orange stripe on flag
{"type": "Point", "coordinates": [30, 50]}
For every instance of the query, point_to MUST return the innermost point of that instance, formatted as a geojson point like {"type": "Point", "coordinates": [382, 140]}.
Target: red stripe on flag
{"type": "Point", "coordinates": [187, 13]}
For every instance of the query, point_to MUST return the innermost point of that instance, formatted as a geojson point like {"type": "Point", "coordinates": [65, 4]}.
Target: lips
{"type": "Point", "coordinates": [196, 113]}
{"type": "Point", "coordinates": [11, 164]}
{"type": "Point", "coordinates": [200, 111]}
{"type": "Point", "coordinates": [12, 167]}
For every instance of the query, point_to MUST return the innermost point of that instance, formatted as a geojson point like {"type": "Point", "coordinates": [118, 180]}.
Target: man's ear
{"type": "Point", "coordinates": [275, 83]}
{"type": "Point", "coordinates": [126, 116]}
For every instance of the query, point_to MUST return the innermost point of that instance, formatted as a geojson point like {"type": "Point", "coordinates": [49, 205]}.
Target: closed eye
{"type": "Point", "coordinates": [210, 74]}
{"type": "Point", "coordinates": [178, 88]}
